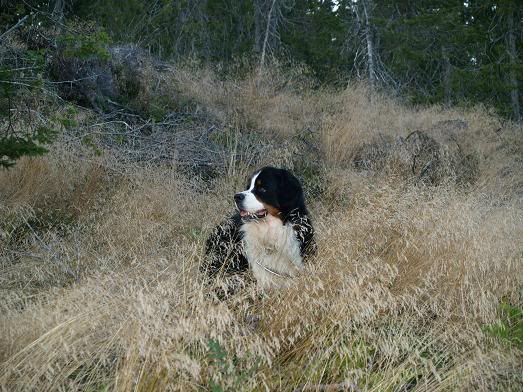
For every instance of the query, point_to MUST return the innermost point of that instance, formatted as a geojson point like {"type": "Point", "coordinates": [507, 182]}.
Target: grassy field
{"type": "Point", "coordinates": [417, 285]}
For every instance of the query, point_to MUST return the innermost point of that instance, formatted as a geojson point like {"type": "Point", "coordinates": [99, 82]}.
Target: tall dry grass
{"type": "Point", "coordinates": [99, 261]}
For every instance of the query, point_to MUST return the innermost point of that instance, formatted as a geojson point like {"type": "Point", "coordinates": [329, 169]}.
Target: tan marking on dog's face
{"type": "Point", "coordinates": [272, 210]}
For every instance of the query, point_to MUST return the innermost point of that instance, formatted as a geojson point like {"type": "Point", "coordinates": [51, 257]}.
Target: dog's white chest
{"type": "Point", "coordinates": [272, 250]}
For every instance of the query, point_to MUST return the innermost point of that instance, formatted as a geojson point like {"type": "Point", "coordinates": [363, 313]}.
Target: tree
{"type": "Point", "coordinates": [21, 82]}
{"type": "Point", "coordinates": [269, 15]}
{"type": "Point", "coordinates": [365, 16]}
{"type": "Point", "coordinates": [363, 40]}
{"type": "Point", "coordinates": [497, 69]}
{"type": "Point", "coordinates": [511, 15]}
{"type": "Point", "coordinates": [431, 51]}
{"type": "Point", "coordinates": [316, 35]}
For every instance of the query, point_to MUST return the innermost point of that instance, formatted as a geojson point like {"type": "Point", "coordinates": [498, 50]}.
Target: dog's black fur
{"type": "Point", "coordinates": [282, 195]}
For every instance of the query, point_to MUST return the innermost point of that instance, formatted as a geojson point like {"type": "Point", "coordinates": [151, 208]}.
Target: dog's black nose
{"type": "Point", "coordinates": [239, 197]}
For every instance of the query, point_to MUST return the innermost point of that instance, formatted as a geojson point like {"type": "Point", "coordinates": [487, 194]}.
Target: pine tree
{"type": "Point", "coordinates": [21, 79]}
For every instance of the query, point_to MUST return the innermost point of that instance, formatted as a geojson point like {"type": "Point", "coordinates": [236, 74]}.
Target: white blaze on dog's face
{"type": "Point", "coordinates": [270, 191]}
{"type": "Point", "coordinates": [248, 204]}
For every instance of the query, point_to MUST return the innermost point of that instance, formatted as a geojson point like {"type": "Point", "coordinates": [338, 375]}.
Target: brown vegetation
{"type": "Point", "coordinates": [99, 254]}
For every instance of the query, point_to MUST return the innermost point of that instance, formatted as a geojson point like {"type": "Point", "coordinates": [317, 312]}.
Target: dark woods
{"type": "Point", "coordinates": [437, 51]}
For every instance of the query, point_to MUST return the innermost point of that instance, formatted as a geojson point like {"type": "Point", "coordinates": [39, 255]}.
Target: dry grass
{"type": "Point", "coordinates": [99, 262]}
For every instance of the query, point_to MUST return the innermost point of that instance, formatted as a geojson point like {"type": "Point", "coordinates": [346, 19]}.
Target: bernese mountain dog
{"type": "Point", "coordinates": [270, 234]}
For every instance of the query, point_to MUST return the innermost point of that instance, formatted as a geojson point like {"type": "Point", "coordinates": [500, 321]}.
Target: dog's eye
{"type": "Point", "coordinates": [262, 189]}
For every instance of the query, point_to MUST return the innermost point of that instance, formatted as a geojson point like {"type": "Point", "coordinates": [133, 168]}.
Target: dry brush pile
{"type": "Point", "coordinates": [417, 284]}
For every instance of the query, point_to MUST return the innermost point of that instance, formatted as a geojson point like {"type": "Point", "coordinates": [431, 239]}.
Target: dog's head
{"type": "Point", "coordinates": [270, 191]}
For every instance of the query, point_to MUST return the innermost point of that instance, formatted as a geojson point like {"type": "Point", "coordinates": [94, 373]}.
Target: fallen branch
{"type": "Point", "coordinates": [343, 386]}
{"type": "Point", "coordinates": [19, 23]}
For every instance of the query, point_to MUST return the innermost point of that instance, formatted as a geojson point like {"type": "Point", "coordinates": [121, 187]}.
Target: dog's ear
{"type": "Point", "coordinates": [291, 193]}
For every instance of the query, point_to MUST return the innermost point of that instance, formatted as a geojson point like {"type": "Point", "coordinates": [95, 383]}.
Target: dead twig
{"type": "Point", "coordinates": [342, 386]}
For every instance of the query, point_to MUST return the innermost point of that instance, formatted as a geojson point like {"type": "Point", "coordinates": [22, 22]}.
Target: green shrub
{"type": "Point", "coordinates": [227, 368]}
{"type": "Point", "coordinates": [21, 82]}
{"type": "Point", "coordinates": [509, 326]}
{"type": "Point", "coordinates": [85, 45]}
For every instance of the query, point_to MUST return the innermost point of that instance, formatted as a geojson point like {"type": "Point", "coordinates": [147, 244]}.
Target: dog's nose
{"type": "Point", "coordinates": [239, 197]}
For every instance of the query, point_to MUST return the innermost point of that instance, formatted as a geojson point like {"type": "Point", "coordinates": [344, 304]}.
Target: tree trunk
{"type": "Point", "coordinates": [514, 93]}
{"type": "Point", "coordinates": [267, 32]}
{"type": "Point", "coordinates": [204, 37]}
{"type": "Point", "coordinates": [371, 62]}
{"type": "Point", "coordinates": [447, 70]}
{"type": "Point", "coordinates": [258, 25]}
{"type": "Point", "coordinates": [58, 9]}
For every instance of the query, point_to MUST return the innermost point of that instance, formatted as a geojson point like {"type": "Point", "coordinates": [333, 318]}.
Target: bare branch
{"type": "Point", "coordinates": [19, 23]}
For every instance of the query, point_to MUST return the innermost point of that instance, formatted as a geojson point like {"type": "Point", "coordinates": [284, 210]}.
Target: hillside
{"type": "Point", "coordinates": [417, 284]}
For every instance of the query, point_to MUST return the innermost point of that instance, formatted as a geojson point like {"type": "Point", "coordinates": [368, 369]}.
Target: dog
{"type": "Point", "coordinates": [270, 234]}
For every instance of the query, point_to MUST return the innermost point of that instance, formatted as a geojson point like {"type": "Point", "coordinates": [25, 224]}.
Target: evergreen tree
{"type": "Point", "coordinates": [316, 35]}
{"type": "Point", "coordinates": [21, 82]}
